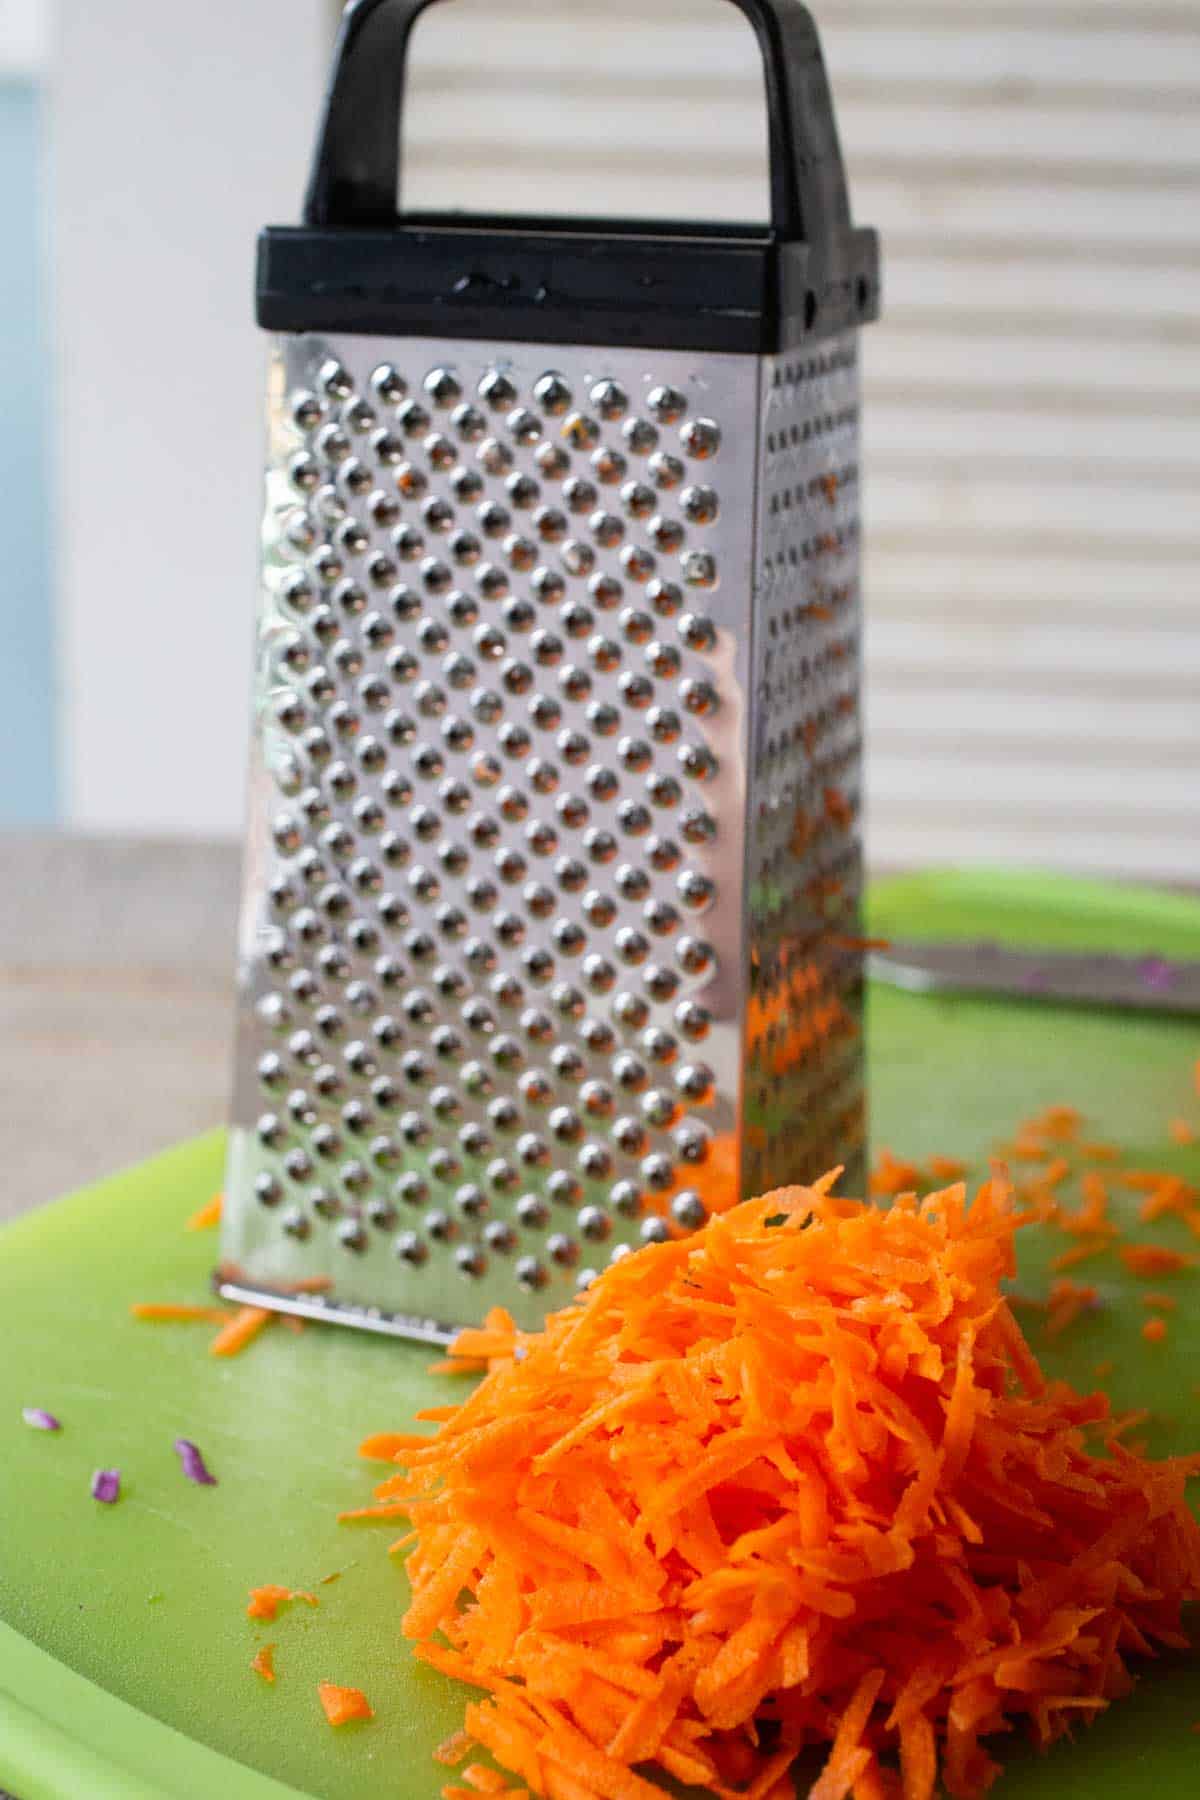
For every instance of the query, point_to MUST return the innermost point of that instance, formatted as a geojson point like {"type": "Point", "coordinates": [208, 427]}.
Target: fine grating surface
{"type": "Point", "coordinates": [494, 942]}
{"type": "Point", "coordinates": [803, 1032]}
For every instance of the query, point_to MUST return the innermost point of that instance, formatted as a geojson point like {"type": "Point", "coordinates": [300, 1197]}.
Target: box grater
{"type": "Point", "coordinates": [549, 931]}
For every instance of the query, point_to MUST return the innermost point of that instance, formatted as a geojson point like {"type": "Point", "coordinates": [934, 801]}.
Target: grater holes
{"type": "Point", "coordinates": [484, 434]}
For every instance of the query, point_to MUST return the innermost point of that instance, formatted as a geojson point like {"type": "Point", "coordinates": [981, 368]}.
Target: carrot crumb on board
{"type": "Point", "coordinates": [342, 1704]}
{"type": "Point", "coordinates": [240, 1330]}
{"type": "Point", "coordinates": [1154, 1259]}
{"type": "Point", "coordinates": [177, 1311]}
{"type": "Point", "coordinates": [946, 1168]}
{"type": "Point", "coordinates": [206, 1216]}
{"type": "Point", "coordinates": [266, 1601]}
{"type": "Point", "coordinates": [1104, 1369]}
{"type": "Point", "coordinates": [1155, 1330]}
{"type": "Point", "coordinates": [451, 1751]}
{"type": "Point", "coordinates": [1160, 1302]}
{"type": "Point", "coordinates": [755, 1474]}
{"type": "Point", "coordinates": [1180, 1132]}
{"type": "Point", "coordinates": [1099, 1152]}
{"type": "Point", "coordinates": [1068, 1301]}
{"type": "Point", "coordinates": [263, 1662]}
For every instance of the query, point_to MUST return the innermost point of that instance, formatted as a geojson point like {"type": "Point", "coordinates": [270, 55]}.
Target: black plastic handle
{"type": "Point", "coordinates": [356, 172]}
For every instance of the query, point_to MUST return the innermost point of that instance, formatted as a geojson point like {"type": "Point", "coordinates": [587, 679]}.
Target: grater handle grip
{"type": "Point", "coordinates": [356, 171]}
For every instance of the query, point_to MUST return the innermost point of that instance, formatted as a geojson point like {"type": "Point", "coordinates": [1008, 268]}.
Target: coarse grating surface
{"type": "Point", "coordinates": [494, 939]}
{"type": "Point", "coordinates": [804, 1087]}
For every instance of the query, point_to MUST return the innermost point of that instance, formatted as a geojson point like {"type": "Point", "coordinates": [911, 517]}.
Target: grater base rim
{"type": "Point", "coordinates": [319, 1309]}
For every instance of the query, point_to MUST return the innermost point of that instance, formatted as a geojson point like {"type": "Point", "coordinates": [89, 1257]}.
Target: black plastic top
{"type": "Point", "coordinates": [357, 264]}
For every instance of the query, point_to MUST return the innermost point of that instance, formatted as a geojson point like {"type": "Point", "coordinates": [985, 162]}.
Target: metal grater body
{"type": "Point", "coordinates": [548, 939]}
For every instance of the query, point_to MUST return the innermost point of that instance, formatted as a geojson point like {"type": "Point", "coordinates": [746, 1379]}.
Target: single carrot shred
{"type": "Point", "coordinates": [1154, 1259]}
{"type": "Point", "coordinates": [206, 1216]}
{"type": "Point", "coordinates": [947, 1168]}
{"type": "Point", "coordinates": [171, 1310]}
{"type": "Point", "coordinates": [266, 1601]}
{"type": "Point", "coordinates": [263, 1662]}
{"type": "Point", "coordinates": [483, 1779]}
{"type": "Point", "coordinates": [240, 1330]}
{"type": "Point", "coordinates": [1160, 1302]}
{"type": "Point", "coordinates": [1154, 1330]}
{"type": "Point", "coordinates": [342, 1704]}
{"type": "Point", "coordinates": [453, 1749]}
{"type": "Point", "coordinates": [802, 1466]}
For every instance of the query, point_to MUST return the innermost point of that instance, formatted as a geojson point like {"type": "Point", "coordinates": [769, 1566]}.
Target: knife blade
{"type": "Point", "coordinates": [1071, 978]}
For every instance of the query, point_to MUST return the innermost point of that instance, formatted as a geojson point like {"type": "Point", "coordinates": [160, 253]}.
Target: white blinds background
{"type": "Point", "coordinates": [1033, 393]}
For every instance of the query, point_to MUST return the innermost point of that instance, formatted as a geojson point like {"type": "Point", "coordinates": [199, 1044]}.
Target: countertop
{"type": "Point", "coordinates": [108, 946]}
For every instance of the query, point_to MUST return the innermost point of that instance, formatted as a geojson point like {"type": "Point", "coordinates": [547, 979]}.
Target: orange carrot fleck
{"type": "Point", "coordinates": [240, 1330]}
{"type": "Point", "coordinates": [1068, 1300]}
{"type": "Point", "coordinates": [1163, 1302]}
{"type": "Point", "coordinates": [1104, 1369]}
{"type": "Point", "coordinates": [263, 1662]}
{"type": "Point", "coordinates": [1154, 1259]}
{"type": "Point", "coordinates": [451, 1751]}
{"type": "Point", "coordinates": [266, 1601]}
{"type": "Point", "coordinates": [342, 1704]}
{"type": "Point", "coordinates": [173, 1311]}
{"type": "Point", "coordinates": [1101, 1153]}
{"type": "Point", "coordinates": [947, 1168]}
{"type": "Point", "coordinates": [1180, 1132]}
{"type": "Point", "coordinates": [1154, 1330]}
{"type": "Point", "coordinates": [206, 1216]}
{"type": "Point", "coordinates": [393, 1509]}
{"type": "Point", "coordinates": [1079, 1253]}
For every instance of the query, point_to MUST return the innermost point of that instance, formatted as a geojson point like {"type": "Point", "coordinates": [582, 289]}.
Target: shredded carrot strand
{"type": "Point", "coordinates": [1154, 1259]}
{"type": "Point", "coordinates": [171, 1310]}
{"type": "Point", "coordinates": [206, 1216]}
{"type": "Point", "coordinates": [342, 1704]}
{"type": "Point", "coordinates": [266, 1601]}
{"type": "Point", "coordinates": [263, 1662]}
{"type": "Point", "coordinates": [240, 1330]}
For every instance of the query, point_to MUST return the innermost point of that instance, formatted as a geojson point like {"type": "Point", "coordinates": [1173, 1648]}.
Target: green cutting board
{"type": "Point", "coordinates": [124, 1659]}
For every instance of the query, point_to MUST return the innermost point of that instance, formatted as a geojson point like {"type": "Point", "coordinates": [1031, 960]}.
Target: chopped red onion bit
{"type": "Point", "coordinates": [106, 1486]}
{"type": "Point", "coordinates": [40, 1419]}
{"type": "Point", "coordinates": [193, 1463]}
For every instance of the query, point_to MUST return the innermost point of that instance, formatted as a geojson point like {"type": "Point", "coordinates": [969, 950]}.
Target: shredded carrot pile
{"type": "Point", "coordinates": [265, 1602]}
{"type": "Point", "coordinates": [797, 1483]}
{"type": "Point", "coordinates": [343, 1703]}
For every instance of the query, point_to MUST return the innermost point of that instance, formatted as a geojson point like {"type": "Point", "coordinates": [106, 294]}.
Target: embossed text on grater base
{"type": "Point", "coordinates": [493, 949]}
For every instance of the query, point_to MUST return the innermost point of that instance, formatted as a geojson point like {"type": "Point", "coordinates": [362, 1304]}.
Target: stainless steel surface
{"type": "Point", "coordinates": [1142, 983]}
{"type": "Point", "coordinates": [553, 870]}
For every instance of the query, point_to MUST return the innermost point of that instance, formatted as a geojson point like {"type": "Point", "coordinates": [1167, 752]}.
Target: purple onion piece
{"type": "Point", "coordinates": [193, 1463]}
{"type": "Point", "coordinates": [40, 1419]}
{"type": "Point", "coordinates": [106, 1486]}
{"type": "Point", "coordinates": [1156, 973]}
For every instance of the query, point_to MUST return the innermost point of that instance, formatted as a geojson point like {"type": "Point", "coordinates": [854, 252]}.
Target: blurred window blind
{"type": "Point", "coordinates": [1032, 417]}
